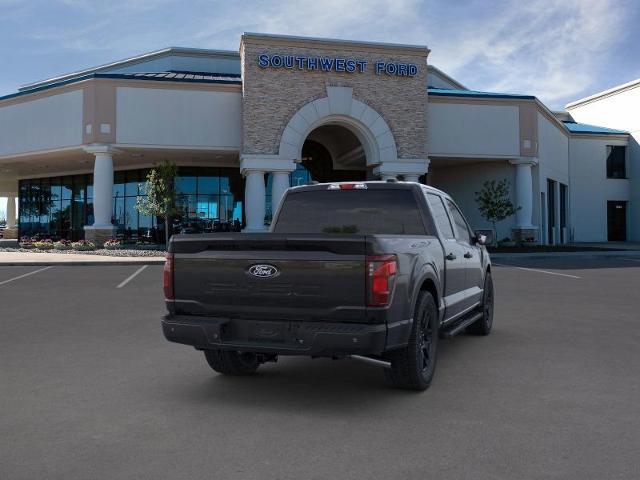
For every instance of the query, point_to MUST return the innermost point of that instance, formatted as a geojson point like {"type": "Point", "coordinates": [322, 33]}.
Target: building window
{"type": "Point", "coordinates": [616, 161]}
{"type": "Point", "coordinates": [208, 200]}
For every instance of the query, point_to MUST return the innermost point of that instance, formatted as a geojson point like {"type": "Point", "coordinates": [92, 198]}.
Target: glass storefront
{"type": "Point", "coordinates": [56, 207]}
{"type": "Point", "coordinates": [209, 199]}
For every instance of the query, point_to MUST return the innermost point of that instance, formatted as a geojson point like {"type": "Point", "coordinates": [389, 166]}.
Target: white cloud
{"type": "Point", "coordinates": [554, 49]}
{"type": "Point", "coordinates": [548, 48]}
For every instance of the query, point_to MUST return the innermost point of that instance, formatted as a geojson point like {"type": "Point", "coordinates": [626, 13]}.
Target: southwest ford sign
{"type": "Point", "coordinates": [331, 64]}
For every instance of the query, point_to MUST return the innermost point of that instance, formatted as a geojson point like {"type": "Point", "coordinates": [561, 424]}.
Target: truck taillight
{"type": "Point", "coordinates": [381, 278]}
{"type": "Point", "coordinates": [167, 276]}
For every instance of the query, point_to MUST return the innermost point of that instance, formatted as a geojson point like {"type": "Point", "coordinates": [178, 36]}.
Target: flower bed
{"type": "Point", "coordinates": [83, 245]}
{"type": "Point", "coordinates": [113, 244]}
{"type": "Point", "coordinates": [62, 245]}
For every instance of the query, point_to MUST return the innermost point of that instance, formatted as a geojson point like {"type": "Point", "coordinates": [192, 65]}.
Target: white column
{"type": "Point", "coordinates": [11, 211]}
{"type": "Point", "coordinates": [254, 200]}
{"type": "Point", "coordinates": [524, 192]}
{"type": "Point", "coordinates": [279, 185]}
{"type": "Point", "coordinates": [409, 169]}
{"type": "Point", "coordinates": [103, 190]}
{"type": "Point", "coordinates": [411, 178]}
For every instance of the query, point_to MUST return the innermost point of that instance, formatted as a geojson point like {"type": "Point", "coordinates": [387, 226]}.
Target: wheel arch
{"type": "Point", "coordinates": [428, 282]}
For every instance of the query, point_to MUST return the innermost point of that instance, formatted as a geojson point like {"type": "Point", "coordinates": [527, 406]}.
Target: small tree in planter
{"type": "Point", "coordinates": [160, 192]}
{"type": "Point", "coordinates": [494, 203]}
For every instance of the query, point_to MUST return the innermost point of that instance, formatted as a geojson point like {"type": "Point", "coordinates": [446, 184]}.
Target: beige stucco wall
{"type": "Point", "coordinates": [272, 96]}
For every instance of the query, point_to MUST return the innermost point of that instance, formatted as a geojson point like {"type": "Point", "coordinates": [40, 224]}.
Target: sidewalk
{"type": "Point", "coordinates": [31, 258]}
{"type": "Point", "coordinates": [592, 254]}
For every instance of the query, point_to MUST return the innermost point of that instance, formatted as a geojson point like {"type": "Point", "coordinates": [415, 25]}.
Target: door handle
{"type": "Point", "coordinates": [468, 255]}
{"type": "Point", "coordinates": [451, 256]}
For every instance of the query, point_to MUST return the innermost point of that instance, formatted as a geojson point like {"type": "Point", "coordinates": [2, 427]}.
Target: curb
{"type": "Point", "coordinates": [543, 255]}
{"type": "Point", "coordinates": [81, 263]}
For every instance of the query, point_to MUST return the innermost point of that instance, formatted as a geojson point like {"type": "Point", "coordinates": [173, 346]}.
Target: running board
{"type": "Point", "coordinates": [372, 361]}
{"type": "Point", "coordinates": [460, 326]}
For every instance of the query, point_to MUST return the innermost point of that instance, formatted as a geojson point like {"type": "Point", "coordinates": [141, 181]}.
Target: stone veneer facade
{"type": "Point", "coordinates": [272, 96]}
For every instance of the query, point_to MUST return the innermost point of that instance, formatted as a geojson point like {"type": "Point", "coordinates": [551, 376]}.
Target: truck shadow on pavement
{"type": "Point", "coordinates": [296, 384]}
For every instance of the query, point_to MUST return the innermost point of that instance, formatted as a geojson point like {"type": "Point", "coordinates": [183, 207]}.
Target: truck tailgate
{"type": "Point", "coordinates": [271, 276]}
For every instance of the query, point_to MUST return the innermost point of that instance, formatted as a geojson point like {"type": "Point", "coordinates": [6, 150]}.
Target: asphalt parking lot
{"type": "Point", "coordinates": [89, 389]}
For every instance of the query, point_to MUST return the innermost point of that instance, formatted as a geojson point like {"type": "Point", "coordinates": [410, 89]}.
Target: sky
{"type": "Point", "coordinates": [558, 50]}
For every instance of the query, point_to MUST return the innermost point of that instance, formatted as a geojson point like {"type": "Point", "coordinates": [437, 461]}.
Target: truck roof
{"type": "Point", "coordinates": [397, 184]}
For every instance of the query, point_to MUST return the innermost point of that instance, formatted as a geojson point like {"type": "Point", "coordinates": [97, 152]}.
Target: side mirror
{"type": "Point", "coordinates": [480, 238]}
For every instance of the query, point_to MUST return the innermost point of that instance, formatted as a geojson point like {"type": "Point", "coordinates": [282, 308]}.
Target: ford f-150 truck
{"type": "Point", "coordinates": [376, 271]}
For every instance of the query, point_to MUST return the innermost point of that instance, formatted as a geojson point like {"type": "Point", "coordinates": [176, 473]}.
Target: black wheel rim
{"type": "Point", "coordinates": [426, 341]}
{"type": "Point", "coordinates": [488, 304]}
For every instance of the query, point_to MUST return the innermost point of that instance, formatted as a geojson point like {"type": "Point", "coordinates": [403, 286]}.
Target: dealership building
{"type": "Point", "coordinates": [244, 126]}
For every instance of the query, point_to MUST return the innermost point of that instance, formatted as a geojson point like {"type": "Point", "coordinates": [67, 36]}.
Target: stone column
{"type": "Point", "coordinates": [11, 211]}
{"type": "Point", "coordinates": [524, 198]}
{"type": "Point", "coordinates": [411, 178]}
{"type": "Point", "coordinates": [11, 232]}
{"type": "Point", "coordinates": [387, 176]}
{"type": "Point", "coordinates": [254, 200]}
{"type": "Point", "coordinates": [253, 167]}
{"type": "Point", "coordinates": [279, 185]}
{"type": "Point", "coordinates": [102, 228]}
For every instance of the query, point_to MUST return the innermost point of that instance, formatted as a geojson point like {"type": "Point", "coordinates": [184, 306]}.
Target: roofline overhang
{"type": "Point", "coordinates": [165, 52]}
{"type": "Point", "coordinates": [115, 76]}
{"type": "Point", "coordinates": [603, 94]}
{"type": "Point", "coordinates": [446, 76]}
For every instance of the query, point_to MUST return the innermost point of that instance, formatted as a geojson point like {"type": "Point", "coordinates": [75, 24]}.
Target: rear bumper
{"type": "Point", "coordinates": [284, 337]}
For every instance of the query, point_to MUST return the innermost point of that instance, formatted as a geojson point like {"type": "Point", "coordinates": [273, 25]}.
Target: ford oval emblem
{"type": "Point", "coordinates": [263, 271]}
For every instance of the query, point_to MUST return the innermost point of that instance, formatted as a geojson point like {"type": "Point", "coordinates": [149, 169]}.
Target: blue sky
{"type": "Point", "coordinates": [557, 50]}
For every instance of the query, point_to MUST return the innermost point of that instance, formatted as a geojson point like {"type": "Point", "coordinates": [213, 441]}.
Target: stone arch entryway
{"type": "Point", "coordinates": [339, 108]}
{"type": "Point", "coordinates": [321, 121]}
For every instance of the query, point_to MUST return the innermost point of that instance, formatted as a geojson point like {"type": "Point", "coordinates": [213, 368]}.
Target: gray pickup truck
{"type": "Point", "coordinates": [375, 271]}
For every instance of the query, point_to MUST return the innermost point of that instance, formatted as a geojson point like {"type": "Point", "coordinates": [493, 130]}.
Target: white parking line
{"type": "Point", "coordinates": [25, 275]}
{"type": "Point", "coordinates": [536, 270]}
{"type": "Point", "coordinates": [132, 276]}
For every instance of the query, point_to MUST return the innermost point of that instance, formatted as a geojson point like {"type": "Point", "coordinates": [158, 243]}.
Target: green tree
{"type": "Point", "coordinates": [494, 203]}
{"type": "Point", "coordinates": [160, 199]}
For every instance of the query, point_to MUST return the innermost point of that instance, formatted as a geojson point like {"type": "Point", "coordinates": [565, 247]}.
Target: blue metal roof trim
{"type": "Point", "coordinates": [444, 92]}
{"type": "Point", "coordinates": [575, 127]}
{"type": "Point", "coordinates": [228, 79]}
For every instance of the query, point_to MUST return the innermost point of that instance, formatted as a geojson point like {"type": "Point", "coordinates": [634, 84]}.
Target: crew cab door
{"type": "Point", "coordinates": [472, 254]}
{"type": "Point", "coordinates": [455, 262]}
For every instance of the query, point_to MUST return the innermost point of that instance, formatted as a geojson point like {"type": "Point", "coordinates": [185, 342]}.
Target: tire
{"type": "Point", "coordinates": [413, 366]}
{"type": "Point", "coordinates": [232, 363]}
{"type": "Point", "coordinates": [483, 325]}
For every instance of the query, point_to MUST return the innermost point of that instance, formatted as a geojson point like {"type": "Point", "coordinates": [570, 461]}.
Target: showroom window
{"type": "Point", "coordinates": [208, 200]}
{"type": "Point", "coordinates": [616, 161]}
